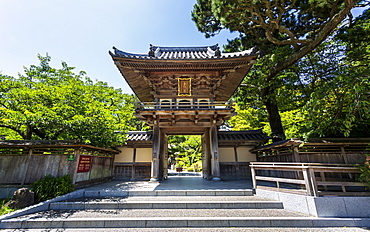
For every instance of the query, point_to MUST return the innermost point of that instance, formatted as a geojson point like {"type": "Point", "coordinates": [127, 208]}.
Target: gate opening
{"type": "Point", "coordinates": [184, 155]}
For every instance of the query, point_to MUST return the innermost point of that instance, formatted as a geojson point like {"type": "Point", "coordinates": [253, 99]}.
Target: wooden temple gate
{"type": "Point", "coordinates": [184, 91]}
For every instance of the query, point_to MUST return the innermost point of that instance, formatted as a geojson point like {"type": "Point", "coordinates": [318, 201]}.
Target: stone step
{"type": "Point", "coordinates": [183, 222]}
{"type": "Point", "coordinates": [208, 229]}
{"type": "Point", "coordinates": [118, 193]}
{"type": "Point", "coordinates": [167, 209]}
{"type": "Point", "coordinates": [166, 198]}
{"type": "Point", "coordinates": [167, 205]}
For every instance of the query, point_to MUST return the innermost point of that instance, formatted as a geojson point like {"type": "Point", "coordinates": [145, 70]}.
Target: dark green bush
{"type": "Point", "coordinates": [365, 172]}
{"type": "Point", "coordinates": [51, 187]}
{"type": "Point", "coordinates": [5, 210]}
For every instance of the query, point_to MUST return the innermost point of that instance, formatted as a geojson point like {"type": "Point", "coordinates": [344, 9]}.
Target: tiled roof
{"type": "Point", "coordinates": [139, 136]}
{"type": "Point", "coordinates": [38, 142]}
{"type": "Point", "coordinates": [315, 142]}
{"type": "Point", "coordinates": [250, 135]}
{"type": "Point", "coordinates": [182, 53]}
{"type": "Point", "coordinates": [281, 143]}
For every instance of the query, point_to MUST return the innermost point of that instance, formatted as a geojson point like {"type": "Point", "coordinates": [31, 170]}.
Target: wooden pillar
{"type": "Point", "coordinates": [133, 164]}
{"type": "Point", "coordinates": [236, 162]}
{"type": "Point", "coordinates": [27, 166]}
{"type": "Point", "coordinates": [91, 164]}
{"type": "Point", "coordinates": [344, 155]}
{"type": "Point", "coordinates": [155, 153]}
{"type": "Point", "coordinates": [215, 158]}
{"type": "Point", "coordinates": [296, 157]}
{"type": "Point", "coordinates": [206, 157]}
{"type": "Point", "coordinates": [161, 156]}
{"type": "Point", "coordinates": [165, 157]}
{"type": "Point", "coordinates": [345, 159]}
{"type": "Point", "coordinates": [76, 161]}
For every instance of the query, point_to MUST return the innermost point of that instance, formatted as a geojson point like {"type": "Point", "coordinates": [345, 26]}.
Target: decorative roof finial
{"type": "Point", "coordinates": [151, 51]}
{"type": "Point", "coordinates": [218, 52]}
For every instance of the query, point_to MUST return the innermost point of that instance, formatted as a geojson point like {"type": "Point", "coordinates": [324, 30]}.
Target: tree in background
{"type": "Point", "coordinates": [283, 32]}
{"type": "Point", "coordinates": [339, 102]}
{"type": "Point", "coordinates": [186, 148]}
{"type": "Point", "coordinates": [51, 104]}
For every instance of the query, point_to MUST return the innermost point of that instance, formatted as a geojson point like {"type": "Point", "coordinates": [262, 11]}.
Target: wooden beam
{"type": "Point", "coordinates": [155, 154]}
{"type": "Point", "coordinates": [215, 156]}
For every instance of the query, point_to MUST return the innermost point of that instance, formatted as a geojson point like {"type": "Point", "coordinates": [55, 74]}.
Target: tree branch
{"type": "Point", "coordinates": [16, 129]}
{"type": "Point", "coordinates": [320, 37]}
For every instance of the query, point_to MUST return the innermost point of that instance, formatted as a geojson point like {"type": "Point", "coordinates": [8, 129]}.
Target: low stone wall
{"type": "Point", "coordinates": [321, 206]}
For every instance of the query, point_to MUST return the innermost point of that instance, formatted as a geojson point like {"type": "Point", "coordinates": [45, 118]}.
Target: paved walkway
{"type": "Point", "coordinates": [174, 183]}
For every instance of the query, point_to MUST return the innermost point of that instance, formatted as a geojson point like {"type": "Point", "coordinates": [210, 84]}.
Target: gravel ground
{"type": "Point", "coordinates": [199, 230]}
{"type": "Point", "coordinates": [169, 198]}
{"type": "Point", "coordinates": [188, 213]}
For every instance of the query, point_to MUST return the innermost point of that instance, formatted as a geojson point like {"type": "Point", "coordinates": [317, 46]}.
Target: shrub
{"type": "Point", "coordinates": [190, 169]}
{"type": "Point", "coordinates": [51, 187]}
{"type": "Point", "coordinates": [365, 172]}
{"type": "Point", "coordinates": [5, 210]}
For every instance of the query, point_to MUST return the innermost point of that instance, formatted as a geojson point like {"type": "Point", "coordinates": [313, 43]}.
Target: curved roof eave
{"type": "Point", "coordinates": [188, 54]}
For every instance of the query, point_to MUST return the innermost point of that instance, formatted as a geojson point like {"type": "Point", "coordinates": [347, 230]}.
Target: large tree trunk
{"type": "Point", "coordinates": [277, 131]}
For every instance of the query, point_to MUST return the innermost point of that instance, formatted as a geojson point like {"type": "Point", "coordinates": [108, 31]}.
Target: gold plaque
{"type": "Point", "coordinates": [184, 87]}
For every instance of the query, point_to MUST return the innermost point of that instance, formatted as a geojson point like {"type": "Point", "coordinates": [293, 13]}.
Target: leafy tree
{"type": "Point", "coordinates": [48, 103]}
{"type": "Point", "coordinates": [283, 31]}
{"type": "Point", "coordinates": [187, 149]}
{"type": "Point", "coordinates": [248, 118]}
{"type": "Point", "coordinates": [339, 103]}
{"type": "Point", "coordinates": [326, 93]}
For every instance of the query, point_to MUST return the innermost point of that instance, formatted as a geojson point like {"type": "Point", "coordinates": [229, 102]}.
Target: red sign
{"type": "Point", "coordinates": [84, 164]}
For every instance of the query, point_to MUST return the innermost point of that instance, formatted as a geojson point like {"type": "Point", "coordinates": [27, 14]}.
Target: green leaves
{"type": "Point", "coordinates": [50, 187]}
{"type": "Point", "coordinates": [48, 103]}
{"type": "Point", "coordinates": [321, 89]}
{"type": "Point", "coordinates": [188, 149]}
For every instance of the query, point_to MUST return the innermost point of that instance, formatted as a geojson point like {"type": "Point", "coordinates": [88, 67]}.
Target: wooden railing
{"type": "Point", "coordinates": [305, 175]}
{"type": "Point", "coordinates": [182, 105]}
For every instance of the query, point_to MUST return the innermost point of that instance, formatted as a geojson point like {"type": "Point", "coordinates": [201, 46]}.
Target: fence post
{"type": "Point", "coordinates": [27, 166]}
{"type": "Point", "coordinates": [311, 174]}
{"type": "Point", "coordinates": [307, 181]}
{"type": "Point", "coordinates": [253, 172]}
{"type": "Point", "coordinates": [76, 161]}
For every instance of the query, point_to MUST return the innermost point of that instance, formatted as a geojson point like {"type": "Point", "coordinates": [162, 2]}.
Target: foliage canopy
{"type": "Point", "coordinates": [302, 68]}
{"type": "Point", "coordinates": [51, 104]}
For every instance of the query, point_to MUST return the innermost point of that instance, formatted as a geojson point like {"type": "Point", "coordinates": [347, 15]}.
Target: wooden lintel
{"type": "Point", "coordinates": [184, 124]}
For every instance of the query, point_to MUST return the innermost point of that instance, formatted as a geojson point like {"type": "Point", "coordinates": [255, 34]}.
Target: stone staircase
{"type": "Point", "coordinates": [215, 209]}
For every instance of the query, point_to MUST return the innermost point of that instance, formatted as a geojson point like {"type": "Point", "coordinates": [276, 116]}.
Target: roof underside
{"type": "Point", "coordinates": [242, 136]}
{"type": "Point", "coordinates": [135, 67]}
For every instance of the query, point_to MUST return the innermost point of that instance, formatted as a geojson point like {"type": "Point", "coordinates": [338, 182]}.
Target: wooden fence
{"type": "Point", "coordinates": [311, 176]}
{"type": "Point", "coordinates": [24, 162]}
{"type": "Point", "coordinates": [335, 151]}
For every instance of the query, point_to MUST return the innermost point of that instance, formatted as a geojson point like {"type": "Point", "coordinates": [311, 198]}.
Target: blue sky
{"type": "Point", "coordinates": [81, 32]}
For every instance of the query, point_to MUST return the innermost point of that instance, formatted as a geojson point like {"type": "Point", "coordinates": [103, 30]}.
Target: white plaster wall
{"type": "Point", "coordinates": [226, 154]}
{"type": "Point", "coordinates": [126, 155]}
{"type": "Point", "coordinates": [244, 154]}
{"type": "Point", "coordinates": [143, 155]}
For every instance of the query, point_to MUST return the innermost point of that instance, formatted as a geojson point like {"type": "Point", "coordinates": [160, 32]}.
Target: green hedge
{"type": "Point", "coordinates": [51, 187]}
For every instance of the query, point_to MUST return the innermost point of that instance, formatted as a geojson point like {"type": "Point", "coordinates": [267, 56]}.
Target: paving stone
{"type": "Point", "coordinates": [183, 204]}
